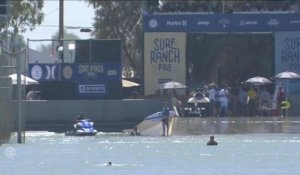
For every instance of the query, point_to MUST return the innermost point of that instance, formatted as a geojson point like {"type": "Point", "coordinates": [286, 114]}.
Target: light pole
{"type": "Point", "coordinates": [19, 102]}
{"type": "Point", "coordinates": [61, 28]}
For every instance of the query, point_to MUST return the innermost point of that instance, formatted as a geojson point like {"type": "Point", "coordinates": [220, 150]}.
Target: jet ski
{"type": "Point", "coordinates": [84, 127]}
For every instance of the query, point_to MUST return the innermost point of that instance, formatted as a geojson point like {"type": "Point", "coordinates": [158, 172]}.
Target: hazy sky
{"type": "Point", "coordinates": [76, 13]}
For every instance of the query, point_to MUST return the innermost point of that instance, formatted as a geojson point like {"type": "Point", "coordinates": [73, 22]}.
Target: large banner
{"type": "Point", "coordinates": [164, 59]}
{"type": "Point", "coordinates": [287, 51]}
{"type": "Point", "coordinates": [76, 72]}
{"type": "Point", "coordinates": [252, 22]}
{"type": "Point", "coordinates": [287, 58]}
{"type": "Point", "coordinates": [91, 80]}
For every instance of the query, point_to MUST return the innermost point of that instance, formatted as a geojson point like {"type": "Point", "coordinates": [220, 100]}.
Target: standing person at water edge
{"type": "Point", "coordinates": [285, 105]}
{"type": "Point", "coordinates": [223, 97]}
{"type": "Point", "coordinates": [280, 97]}
{"type": "Point", "coordinates": [252, 102]}
{"type": "Point", "coordinates": [211, 95]}
{"type": "Point", "coordinates": [165, 120]}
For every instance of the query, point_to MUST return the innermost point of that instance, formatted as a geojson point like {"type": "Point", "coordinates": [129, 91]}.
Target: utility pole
{"type": "Point", "coordinates": [19, 99]}
{"type": "Point", "coordinates": [61, 28]}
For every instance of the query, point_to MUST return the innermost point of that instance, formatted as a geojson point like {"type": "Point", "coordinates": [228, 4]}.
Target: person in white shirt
{"type": "Point", "coordinates": [211, 95]}
{"type": "Point", "coordinates": [224, 102]}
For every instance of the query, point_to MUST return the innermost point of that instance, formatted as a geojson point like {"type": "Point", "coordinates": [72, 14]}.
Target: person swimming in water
{"type": "Point", "coordinates": [211, 141]}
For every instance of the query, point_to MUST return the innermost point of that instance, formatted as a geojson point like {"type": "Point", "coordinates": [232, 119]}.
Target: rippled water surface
{"type": "Point", "coordinates": [46, 153]}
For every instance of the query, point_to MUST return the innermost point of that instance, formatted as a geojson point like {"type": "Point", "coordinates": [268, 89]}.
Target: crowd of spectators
{"type": "Point", "coordinates": [222, 6]}
{"type": "Point", "coordinates": [243, 100]}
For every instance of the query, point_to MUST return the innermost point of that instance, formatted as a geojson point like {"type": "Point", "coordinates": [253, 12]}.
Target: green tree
{"type": "Point", "coordinates": [47, 48]}
{"type": "Point", "coordinates": [24, 15]}
{"type": "Point", "coordinates": [121, 20]}
{"type": "Point", "coordinates": [51, 47]}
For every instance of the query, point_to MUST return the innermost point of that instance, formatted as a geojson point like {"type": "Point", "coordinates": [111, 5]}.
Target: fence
{"type": "Point", "coordinates": [8, 121]}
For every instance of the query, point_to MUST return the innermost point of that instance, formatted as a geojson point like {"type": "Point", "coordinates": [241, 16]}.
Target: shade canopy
{"type": "Point", "coordinates": [24, 80]}
{"type": "Point", "coordinates": [172, 85]}
{"type": "Point", "coordinates": [287, 75]}
{"type": "Point", "coordinates": [126, 83]}
{"type": "Point", "coordinates": [258, 81]}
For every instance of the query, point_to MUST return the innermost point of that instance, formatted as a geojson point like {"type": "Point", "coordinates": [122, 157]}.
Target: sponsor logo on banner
{"type": "Point", "coordinates": [50, 72]}
{"type": "Point", "coordinates": [273, 22]}
{"type": "Point", "coordinates": [177, 23]}
{"type": "Point", "coordinates": [88, 89]}
{"type": "Point", "coordinates": [294, 21]}
{"type": "Point", "coordinates": [36, 72]}
{"type": "Point", "coordinates": [203, 23]}
{"type": "Point", "coordinates": [67, 72]}
{"type": "Point", "coordinates": [112, 72]}
{"type": "Point", "coordinates": [90, 71]}
{"type": "Point", "coordinates": [224, 21]}
{"type": "Point", "coordinates": [153, 23]}
{"type": "Point", "coordinates": [248, 22]}
{"type": "Point", "coordinates": [165, 53]}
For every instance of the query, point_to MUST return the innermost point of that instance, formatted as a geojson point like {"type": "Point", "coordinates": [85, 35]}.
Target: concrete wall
{"type": "Point", "coordinates": [6, 119]}
{"type": "Point", "coordinates": [234, 125]}
{"type": "Point", "coordinates": [108, 115]}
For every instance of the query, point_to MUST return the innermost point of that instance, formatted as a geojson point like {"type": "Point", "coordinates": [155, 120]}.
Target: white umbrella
{"type": "Point", "coordinates": [287, 75]}
{"type": "Point", "coordinates": [126, 83]}
{"type": "Point", "coordinates": [172, 85]}
{"type": "Point", "coordinates": [24, 80]}
{"type": "Point", "coordinates": [258, 81]}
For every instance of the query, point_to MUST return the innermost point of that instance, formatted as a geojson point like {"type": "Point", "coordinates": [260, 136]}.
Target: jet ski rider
{"type": "Point", "coordinates": [80, 117]}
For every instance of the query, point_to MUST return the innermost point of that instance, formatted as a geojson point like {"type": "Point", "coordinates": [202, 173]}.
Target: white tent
{"type": "Point", "coordinates": [24, 80]}
{"type": "Point", "coordinates": [126, 83]}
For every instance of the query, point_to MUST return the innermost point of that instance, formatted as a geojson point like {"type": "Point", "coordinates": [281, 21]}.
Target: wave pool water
{"type": "Point", "coordinates": [46, 153]}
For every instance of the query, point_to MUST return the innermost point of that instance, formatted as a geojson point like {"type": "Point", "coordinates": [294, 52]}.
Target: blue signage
{"type": "Point", "coordinates": [76, 72]}
{"type": "Point", "coordinates": [45, 72]}
{"type": "Point", "coordinates": [91, 89]}
{"type": "Point", "coordinates": [221, 22]}
{"type": "Point", "coordinates": [91, 72]}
